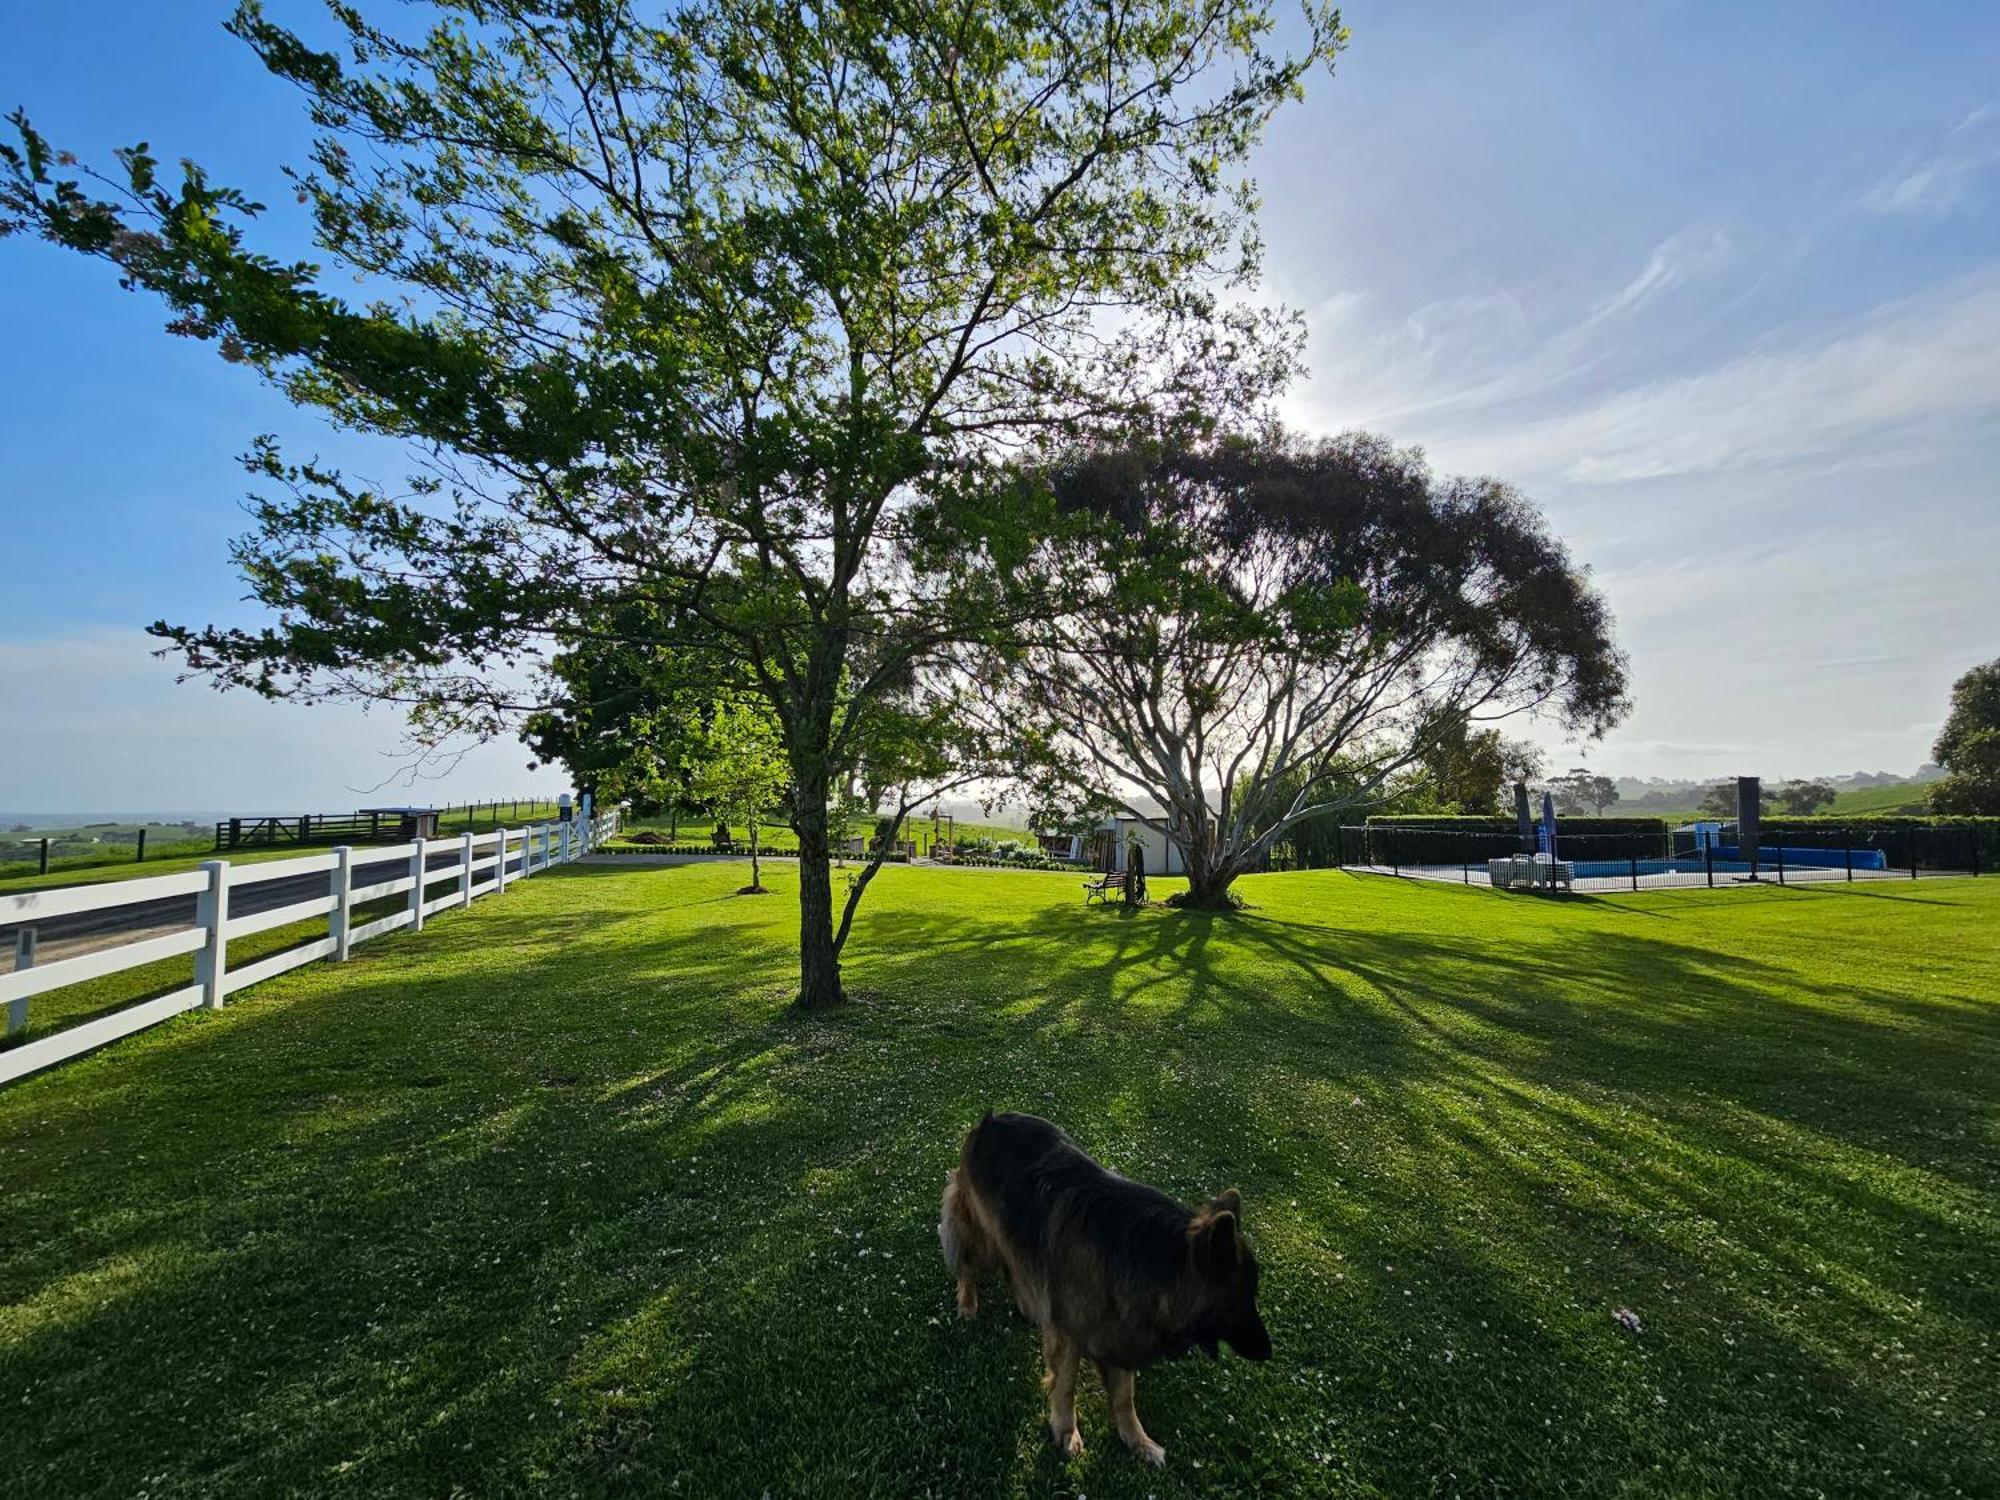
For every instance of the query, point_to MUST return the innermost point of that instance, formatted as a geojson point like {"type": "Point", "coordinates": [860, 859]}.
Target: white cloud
{"type": "Point", "coordinates": [1684, 257]}
{"type": "Point", "coordinates": [1940, 186]}
{"type": "Point", "coordinates": [1975, 118]}
{"type": "Point", "coordinates": [1480, 348]}
{"type": "Point", "coordinates": [1934, 358]}
{"type": "Point", "coordinates": [95, 723]}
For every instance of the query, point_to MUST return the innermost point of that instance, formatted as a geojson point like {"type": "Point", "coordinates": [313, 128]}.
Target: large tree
{"type": "Point", "coordinates": [746, 291]}
{"type": "Point", "coordinates": [1968, 746]}
{"type": "Point", "coordinates": [1581, 787]}
{"type": "Point", "coordinates": [1268, 629]}
{"type": "Point", "coordinates": [1467, 770]}
{"type": "Point", "coordinates": [1805, 797]}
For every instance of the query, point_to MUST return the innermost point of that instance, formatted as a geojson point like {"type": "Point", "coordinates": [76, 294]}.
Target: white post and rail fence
{"type": "Point", "coordinates": [481, 864]}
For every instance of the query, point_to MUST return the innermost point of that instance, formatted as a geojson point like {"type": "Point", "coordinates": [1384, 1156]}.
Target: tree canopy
{"type": "Point", "coordinates": [1580, 787]}
{"type": "Point", "coordinates": [736, 308]}
{"type": "Point", "coordinates": [1267, 628]}
{"type": "Point", "coordinates": [1805, 797]}
{"type": "Point", "coordinates": [1968, 746]}
{"type": "Point", "coordinates": [738, 768]}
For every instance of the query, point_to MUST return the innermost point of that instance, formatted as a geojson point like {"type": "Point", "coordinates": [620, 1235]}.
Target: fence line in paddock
{"type": "Point", "coordinates": [485, 864]}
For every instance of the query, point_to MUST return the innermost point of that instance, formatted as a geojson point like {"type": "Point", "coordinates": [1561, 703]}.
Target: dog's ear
{"type": "Point", "coordinates": [1214, 1243]}
{"type": "Point", "coordinates": [1228, 1201]}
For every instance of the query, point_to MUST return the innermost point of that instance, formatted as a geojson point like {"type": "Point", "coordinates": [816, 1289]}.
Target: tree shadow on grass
{"type": "Point", "coordinates": [578, 1200]}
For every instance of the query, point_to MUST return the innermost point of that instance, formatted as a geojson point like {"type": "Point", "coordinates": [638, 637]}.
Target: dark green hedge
{"type": "Point", "coordinates": [1932, 843]}
{"type": "Point", "coordinates": [1430, 839]}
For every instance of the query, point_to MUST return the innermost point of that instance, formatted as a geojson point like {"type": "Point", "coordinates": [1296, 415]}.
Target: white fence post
{"type": "Point", "coordinates": [341, 918]}
{"type": "Point", "coordinates": [419, 867]}
{"type": "Point", "coordinates": [500, 870]}
{"type": "Point", "coordinates": [465, 869]}
{"type": "Point", "coordinates": [24, 958]}
{"type": "Point", "coordinates": [211, 963]}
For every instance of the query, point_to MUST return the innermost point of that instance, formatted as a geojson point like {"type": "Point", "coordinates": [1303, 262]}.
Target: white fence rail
{"type": "Point", "coordinates": [481, 864]}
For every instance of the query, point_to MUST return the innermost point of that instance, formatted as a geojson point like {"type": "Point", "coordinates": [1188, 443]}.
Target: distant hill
{"type": "Point", "coordinates": [1858, 792]}
{"type": "Point", "coordinates": [1904, 797]}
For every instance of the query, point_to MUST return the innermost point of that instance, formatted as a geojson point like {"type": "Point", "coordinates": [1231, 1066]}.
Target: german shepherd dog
{"type": "Point", "coordinates": [1112, 1270]}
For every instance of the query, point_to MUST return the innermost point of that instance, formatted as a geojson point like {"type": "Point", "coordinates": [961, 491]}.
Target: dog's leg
{"type": "Point", "coordinates": [1062, 1356]}
{"type": "Point", "coordinates": [968, 1292]}
{"type": "Point", "coordinates": [1120, 1385]}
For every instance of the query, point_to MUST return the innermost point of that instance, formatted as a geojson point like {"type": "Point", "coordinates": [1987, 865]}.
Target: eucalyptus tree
{"type": "Point", "coordinates": [742, 292]}
{"type": "Point", "coordinates": [1264, 630]}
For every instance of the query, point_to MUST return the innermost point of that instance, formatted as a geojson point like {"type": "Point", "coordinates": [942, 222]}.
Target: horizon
{"type": "Point", "coordinates": [1743, 358]}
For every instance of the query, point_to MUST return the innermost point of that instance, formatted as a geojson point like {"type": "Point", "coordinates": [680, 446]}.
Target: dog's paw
{"type": "Point", "coordinates": [1149, 1452]}
{"type": "Point", "coordinates": [968, 1304]}
{"type": "Point", "coordinates": [1070, 1442]}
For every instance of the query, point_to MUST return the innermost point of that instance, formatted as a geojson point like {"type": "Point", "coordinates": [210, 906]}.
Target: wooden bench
{"type": "Point", "coordinates": [1101, 888]}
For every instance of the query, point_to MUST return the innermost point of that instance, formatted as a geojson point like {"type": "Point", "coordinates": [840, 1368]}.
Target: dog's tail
{"type": "Point", "coordinates": [948, 1211]}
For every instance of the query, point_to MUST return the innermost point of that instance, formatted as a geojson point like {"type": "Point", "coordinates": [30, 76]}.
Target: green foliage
{"type": "Point", "coordinates": [730, 309]}
{"type": "Point", "coordinates": [1721, 801]}
{"type": "Point", "coordinates": [1260, 629]}
{"type": "Point", "coordinates": [1472, 770]}
{"type": "Point", "coordinates": [1969, 745]}
{"type": "Point", "coordinates": [1803, 798]}
{"type": "Point", "coordinates": [1580, 788]}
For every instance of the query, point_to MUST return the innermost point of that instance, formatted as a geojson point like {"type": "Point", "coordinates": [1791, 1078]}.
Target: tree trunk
{"type": "Point", "coordinates": [1208, 884]}
{"type": "Point", "coordinates": [819, 961]}
{"type": "Point", "coordinates": [756, 868]}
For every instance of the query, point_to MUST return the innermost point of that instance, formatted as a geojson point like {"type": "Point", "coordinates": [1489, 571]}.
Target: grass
{"type": "Point", "coordinates": [778, 838]}
{"type": "Point", "coordinates": [560, 1196]}
{"type": "Point", "coordinates": [191, 856]}
{"type": "Point", "coordinates": [1878, 800]}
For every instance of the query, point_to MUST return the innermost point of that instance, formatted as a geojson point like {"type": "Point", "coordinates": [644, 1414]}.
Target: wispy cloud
{"type": "Point", "coordinates": [1685, 257]}
{"type": "Point", "coordinates": [1975, 118]}
{"type": "Point", "coordinates": [1944, 183]}
{"type": "Point", "coordinates": [1484, 348]}
{"type": "Point", "coordinates": [1932, 358]}
{"type": "Point", "coordinates": [1940, 186]}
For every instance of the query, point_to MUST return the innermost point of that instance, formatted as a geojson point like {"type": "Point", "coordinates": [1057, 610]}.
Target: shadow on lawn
{"type": "Point", "coordinates": [613, 1220]}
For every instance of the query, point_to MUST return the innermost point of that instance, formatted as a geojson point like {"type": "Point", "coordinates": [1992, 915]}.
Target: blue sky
{"type": "Point", "coordinates": [1718, 285]}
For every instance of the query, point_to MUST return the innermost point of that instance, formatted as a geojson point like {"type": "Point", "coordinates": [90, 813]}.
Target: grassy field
{"type": "Point", "coordinates": [191, 855]}
{"type": "Point", "coordinates": [778, 838]}
{"type": "Point", "coordinates": [1877, 800]}
{"type": "Point", "coordinates": [561, 1197]}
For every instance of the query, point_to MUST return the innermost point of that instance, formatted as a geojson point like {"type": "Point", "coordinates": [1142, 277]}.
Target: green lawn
{"type": "Point", "coordinates": [561, 1197]}
{"type": "Point", "coordinates": [778, 838]}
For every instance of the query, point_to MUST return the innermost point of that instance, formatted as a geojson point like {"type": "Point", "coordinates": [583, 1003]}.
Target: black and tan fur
{"type": "Point", "coordinates": [1112, 1270]}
